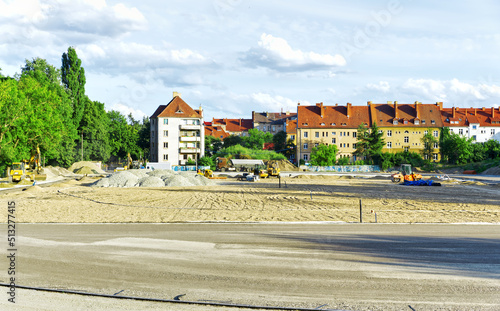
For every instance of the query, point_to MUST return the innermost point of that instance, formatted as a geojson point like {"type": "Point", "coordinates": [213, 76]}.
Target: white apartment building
{"type": "Point", "coordinates": [177, 133]}
{"type": "Point", "coordinates": [480, 124]}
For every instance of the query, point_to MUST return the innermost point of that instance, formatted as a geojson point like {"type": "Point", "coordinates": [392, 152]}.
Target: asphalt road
{"type": "Point", "coordinates": [324, 266]}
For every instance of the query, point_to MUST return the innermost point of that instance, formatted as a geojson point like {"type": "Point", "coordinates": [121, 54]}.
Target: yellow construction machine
{"type": "Point", "coordinates": [406, 174]}
{"type": "Point", "coordinates": [210, 174]}
{"type": "Point", "coordinates": [273, 168]}
{"type": "Point", "coordinates": [31, 170]}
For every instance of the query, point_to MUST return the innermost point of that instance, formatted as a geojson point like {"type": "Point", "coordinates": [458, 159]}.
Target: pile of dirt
{"type": "Point", "coordinates": [492, 171]}
{"type": "Point", "coordinates": [156, 178]}
{"type": "Point", "coordinates": [85, 167]}
{"type": "Point", "coordinates": [286, 165]}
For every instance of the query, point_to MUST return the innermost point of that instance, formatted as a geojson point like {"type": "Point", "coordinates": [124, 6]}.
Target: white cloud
{"type": "Point", "coordinates": [273, 103]}
{"type": "Point", "coordinates": [126, 110]}
{"type": "Point", "coordinates": [453, 92]}
{"type": "Point", "coordinates": [275, 53]}
{"type": "Point", "coordinates": [382, 86]}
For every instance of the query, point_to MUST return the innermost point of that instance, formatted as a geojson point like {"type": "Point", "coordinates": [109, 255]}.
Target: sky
{"type": "Point", "coordinates": [232, 57]}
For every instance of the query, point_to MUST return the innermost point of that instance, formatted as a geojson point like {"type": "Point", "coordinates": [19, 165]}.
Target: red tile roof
{"type": "Point", "coordinates": [176, 108]}
{"type": "Point", "coordinates": [332, 116]}
{"type": "Point", "coordinates": [412, 115]}
{"type": "Point", "coordinates": [466, 116]}
{"type": "Point", "coordinates": [291, 127]}
{"type": "Point", "coordinates": [234, 125]}
{"type": "Point", "coordinates": [215, 131]}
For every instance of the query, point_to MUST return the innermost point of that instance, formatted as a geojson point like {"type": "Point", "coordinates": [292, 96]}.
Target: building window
{"type": "Point", "coordinates": [165, 133]}
{"type": "Point", "coordinates": [389, 144]}
{"type": "Point", "coordinates": [389, 133]}
{"type": "Point", "coordinates": [306, 134]}
{"type": "Point", "coordinates": [407, 149]}
{"type": "Point", "coordinates": [306, 157]}
{"type": "Point", "coordinates": [461, 131]}
{"type": "Point", "coordinates": [274, 128]}
{"type": "Point", "coordinates": [435, 156]}
{"type": "Point", "coordinates": [436, 134]}
{"type": "Point", "coordinates": [165, 157]}
{"type": "Point", "coordinates": [436, 145]}
{"type": "Point", "coordinates": [317, 134]}
{"type": "Point", "coordinates": [407, 139]}
{"type": "Point", "coordinates": [426, 132]}
{"type": "Point", "coordinates": [433, 122]}
{"type": "Point", "coordinates": [292, 137]}
{"type": "Point", "coordinates": [165, 145]}
{"type": "Point", "coordinates": [474, 127]}
{"type": "Point", "coordinates": [492, 132]}
{"type": "Point", "coordinates": [306, 146]}
{"type": "Point", "coordinates": [354, 146]}
{"type": "Point", "coordinates": [334, 133]}
{"type": "Point", "coordinates": [165, 121]}
{"type": "Point", "coordinates": [334, 140]}
{"type": "Point", "coordinates": [316, 145]}
{"type": "Point", "coordinates": [354, 134]}
{"type": "Point", "coordinates": [417, 122]}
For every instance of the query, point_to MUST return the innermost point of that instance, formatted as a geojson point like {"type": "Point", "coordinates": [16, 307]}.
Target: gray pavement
{"type": "Point", "coordinates": [313, 265]}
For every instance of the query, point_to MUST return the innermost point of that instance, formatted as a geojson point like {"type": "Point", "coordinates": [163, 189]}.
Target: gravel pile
{"type": "Point", "coordinates": [156, 178]}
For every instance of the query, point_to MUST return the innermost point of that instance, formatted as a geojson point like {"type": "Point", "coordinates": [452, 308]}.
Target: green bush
{"type": "Point", "coordinates": [240, 152]}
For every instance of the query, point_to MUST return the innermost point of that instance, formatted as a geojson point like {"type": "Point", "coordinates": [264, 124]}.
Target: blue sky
{"type": "Point", "coordinates": [233, 57]}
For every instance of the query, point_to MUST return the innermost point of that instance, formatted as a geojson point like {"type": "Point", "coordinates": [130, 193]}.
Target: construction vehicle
{"type": "Point", "coordinates": [406, 174]}
{"type": "Point", "coordinates": [210, 174]}
{"type": "Point", "coordinates": [273, 168]}
{"type": "Point", "coordinates": [31, 170]}
{"type": "Point", "coordinates": [130, 164]}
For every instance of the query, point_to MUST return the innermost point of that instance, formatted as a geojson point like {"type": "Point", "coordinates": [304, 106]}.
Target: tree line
{"type": "Point", "coordinates": [47, 108]}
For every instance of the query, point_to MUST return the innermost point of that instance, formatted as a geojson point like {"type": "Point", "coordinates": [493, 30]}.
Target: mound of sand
{"type": "Point", "coordinates": [492, 171]}
{"type": "Point", "coordinates": [35, 189]}
{"type": "Point", "coordinates": [156, 178]}
{"type": "Point", "coordinates": [85, 167]}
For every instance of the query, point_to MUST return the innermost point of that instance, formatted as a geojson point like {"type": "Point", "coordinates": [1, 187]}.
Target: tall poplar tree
{"type": "Point", "coordinates": [73, 77]}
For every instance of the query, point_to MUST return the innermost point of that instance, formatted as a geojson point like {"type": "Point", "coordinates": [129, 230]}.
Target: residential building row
{"type": "Point", "coordinates": [177, 130]}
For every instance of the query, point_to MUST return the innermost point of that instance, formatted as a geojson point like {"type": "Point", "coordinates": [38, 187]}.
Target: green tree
{"type": "Point", "coordinates": [428, 140]}
{"type": "Point", "coordinates": [73, 77]}
{"type": "Point", "coordinates": [144, 137]}
{"type": "Point", "coordinates": [232, 140]}
{"type": "Point", "coordinates": [256, 139]}
{"type": "Point", "coordinates": [369, 142]}
{"type": "Point", "coordinates": [50, 78]}
{"type": "Point", "coordinates": [123, 137]}
{"type": "Point", "coordinates": [212, 145]}
{"type": "Point", "coordinates": [280, 142]}
{"type": "Point", "coordinates": [492, 149]}
{"type": "Point", "coordinates": [94, 128]}
{"type": "Point", "coordinates": [324, 155]}
{"type": "Point", "coordinates": [455, 149]}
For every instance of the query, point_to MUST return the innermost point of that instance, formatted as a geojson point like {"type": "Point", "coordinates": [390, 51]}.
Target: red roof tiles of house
{"type": "Point", "coordinates": [291, 127]}
{"type": "Point", "coordinates": [266, 117]}
{"type": "Point", "coordinates": [176, 108]}
{"type": "Point", "coordinates": [414, 115]}
{"type": "Point", "coordinates": [332, 116]}
{"type": "Point", "coordinates": [464, 116]}
{"type": "Point", "coordinates": [215, 131]}
{"type": "Point", "coordinates": [234, 125]}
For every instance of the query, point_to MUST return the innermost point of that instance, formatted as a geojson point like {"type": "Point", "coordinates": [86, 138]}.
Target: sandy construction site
{"type": "Point", "coordinates": [306, 197]}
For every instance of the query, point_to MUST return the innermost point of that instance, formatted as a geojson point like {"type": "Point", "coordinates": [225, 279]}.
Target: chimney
{"type": "Point", "coordinates": [253, 116]}
{"type": "Point", "coordinates": [453, 115]}
{"type": "Point", "coordinates": [369, 102]}
{"type": "Point", "coordinates": [440, 105]}
{"type": "Point", "coordinates": [417, 110]}
{"type": "Point", "coordinates": [396, 115]}
{"type": "Point", "coordinates": [321, 109]}
{"type": "Point", "coordinates": [484, 109]}
{"type": "Point", "coordinates": [349, 110]}
{"type": "Point", "coordinates": [267, 114]}
{"type": "Point", "coordinates": [240, 122]}
{"type": "Point", "coordinates": [492, 112]}
{"type": "Point", "coordinates": [176, 94]}
{"type": "Point", "coordinates": [201, 111]}
{"type": "Point", "coordinates": [288, 112]}
{"type": "Point", "coordinates": [475, 112]}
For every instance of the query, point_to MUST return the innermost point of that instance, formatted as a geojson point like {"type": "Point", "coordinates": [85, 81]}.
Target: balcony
{"type": "Point", "coordinates": [190, 127]}
{"type": "Point", "coordinates": [185, 150]}
{"type": "Point", "coordinates": [189, 138]}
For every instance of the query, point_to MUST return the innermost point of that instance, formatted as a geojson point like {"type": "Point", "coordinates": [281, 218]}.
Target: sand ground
{"type": "Point", "coordinates": [300, 198]}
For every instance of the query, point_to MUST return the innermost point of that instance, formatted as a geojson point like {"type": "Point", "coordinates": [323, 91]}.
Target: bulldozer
{"type": "Point", "coordinates": [273, 169]}
{"type": "Point", "coordinates": [31, 170]}
{"type": "Point", "coordinates": [406, 174]}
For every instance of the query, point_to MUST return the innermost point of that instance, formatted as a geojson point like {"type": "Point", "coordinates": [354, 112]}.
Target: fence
{"type": "Point", "coordinates": [344, 168]}
{"type": "Point", "coordinates": [180, 168]}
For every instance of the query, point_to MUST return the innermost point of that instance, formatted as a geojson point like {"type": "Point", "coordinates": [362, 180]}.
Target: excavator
{"type": "Point", "coordinates": [273, 168]}
{"type": "Point", "coordinates": [31, 170]}
{"type": "Point", "coordinates": [406, 174]}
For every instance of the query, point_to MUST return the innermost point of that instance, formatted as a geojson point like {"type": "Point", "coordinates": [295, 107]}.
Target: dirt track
{"type": "Point", "coordinates": [305, 198]}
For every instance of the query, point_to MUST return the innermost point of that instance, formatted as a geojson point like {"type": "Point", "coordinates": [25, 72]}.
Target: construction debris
{"type": "Point", "coordinates": [156, 178]}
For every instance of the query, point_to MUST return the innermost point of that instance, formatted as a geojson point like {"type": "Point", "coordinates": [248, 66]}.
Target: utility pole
{"type": "Point", "coordinates": [82, 144]}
